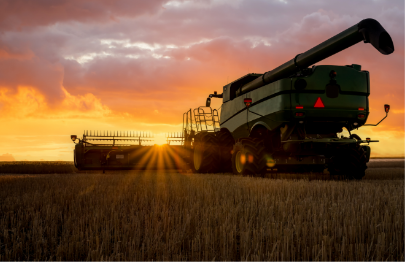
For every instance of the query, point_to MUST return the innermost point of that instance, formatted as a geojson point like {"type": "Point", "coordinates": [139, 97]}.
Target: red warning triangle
{"type": "Point", "coordinates": [319, 103]}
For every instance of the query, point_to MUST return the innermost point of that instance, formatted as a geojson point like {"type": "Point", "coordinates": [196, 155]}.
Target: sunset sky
{"type": "Point", "coordinates": [73, 65]}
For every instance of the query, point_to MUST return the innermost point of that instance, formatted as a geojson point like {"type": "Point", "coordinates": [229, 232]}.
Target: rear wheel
{"type": "Point", "coordinates": [249, 157]}
{"type": "Point", "coordinates": [205, 156]}
{"type": "Point", "coordinates": [225, 142]}
{"type": "Point", "coordinates": [349, 162]}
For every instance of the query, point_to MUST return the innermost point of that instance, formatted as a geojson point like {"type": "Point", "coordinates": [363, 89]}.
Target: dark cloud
{"type": "Point", "coordinates": [23, 15]}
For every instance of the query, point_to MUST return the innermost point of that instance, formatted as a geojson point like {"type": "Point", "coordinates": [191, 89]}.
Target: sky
{"type": "Point", "coordinates": [72, 65]}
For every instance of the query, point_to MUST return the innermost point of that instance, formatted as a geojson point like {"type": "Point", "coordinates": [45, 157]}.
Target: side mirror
{"type": "Point", "coordinates": [208, 103]}
{"type": "Point", "coordinates": [386, 108]}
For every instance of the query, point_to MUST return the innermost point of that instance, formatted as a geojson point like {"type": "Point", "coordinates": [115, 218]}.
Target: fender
{"type": "Point", "coordinates": [261, 123]}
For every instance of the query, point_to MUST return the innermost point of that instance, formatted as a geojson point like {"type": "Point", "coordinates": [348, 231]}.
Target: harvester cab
{"type": "Point", "coordinates": [290, 118]}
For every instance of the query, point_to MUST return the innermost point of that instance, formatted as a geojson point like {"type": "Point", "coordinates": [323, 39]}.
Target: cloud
{"type": "Point", "coordinates": [28, 102]}
{"type": "Point", "coordinates": [162, 73]}
{"type": "Point", "coordinates": [20, 15]}
{"type": "Point", "coordinates": [7, 157]}
{"type": "Point", "coordinates": [147, 62]}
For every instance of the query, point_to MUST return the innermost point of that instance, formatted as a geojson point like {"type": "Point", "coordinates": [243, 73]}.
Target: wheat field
{"type": "Point", "coordinates": [37, 167]}
{"type": "Point", "coordinates": [138, 215]}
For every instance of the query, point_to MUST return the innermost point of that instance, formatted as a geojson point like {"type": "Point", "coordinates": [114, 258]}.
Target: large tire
{"type": "Point", "coordinates": [349, 162]}
{"type": "Point", "coordinates": [205, 155]}
{"type": "Point", "coordinates": [225, 142]}
{"type": "Point", "coordinates": [249, 157]}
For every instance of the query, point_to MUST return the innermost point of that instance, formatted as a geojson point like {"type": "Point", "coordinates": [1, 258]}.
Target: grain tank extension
{"type": "Point", "coordinates": [289, 118]}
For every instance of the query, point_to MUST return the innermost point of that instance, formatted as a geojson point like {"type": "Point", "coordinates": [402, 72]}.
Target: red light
{"type": "Point", "coordinates": [247, 101]}
{"type": "Point", "coordinates": [387, 108]}
{"type": "Point", "coordinates": [361, 108]}
{"type": "Point", "coordinates": [299, 114]}
{"type": "Point", "coordinates": [368, 139]}
{"type": "Point", "coordinates": [319, 103]}
{"type": "Point", "coordinates": [299, 107]}
{"type": "Point", "coordinates": [361, 116]}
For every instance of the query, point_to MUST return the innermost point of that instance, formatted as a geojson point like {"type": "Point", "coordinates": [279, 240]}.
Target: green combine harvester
{"type": "Point", "coordinates": [287, 119]}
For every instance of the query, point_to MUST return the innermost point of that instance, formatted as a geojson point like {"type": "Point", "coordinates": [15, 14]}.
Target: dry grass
{"type": "Point", "coordinates": [171, 216]}
{"type": "Point", "coordinates": [37, 167]}
{"type": "Point", "coordinates": [378, 163]}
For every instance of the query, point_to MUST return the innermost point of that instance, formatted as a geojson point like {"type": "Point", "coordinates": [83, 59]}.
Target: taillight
{"type": "Point", "coordinates": [299, 107]}
{"type": "Point", "coordinates": [247, 101]}
{"type": "Point", "coordinates": [361, 116]}
{"type": "Point", "coordinates": [299, 114]}
{"type": "Point", "coordinates": [361, 108]}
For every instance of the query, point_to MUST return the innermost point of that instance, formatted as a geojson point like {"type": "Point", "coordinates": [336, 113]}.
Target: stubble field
{"type": "Point", "coordinates": [158, 215]}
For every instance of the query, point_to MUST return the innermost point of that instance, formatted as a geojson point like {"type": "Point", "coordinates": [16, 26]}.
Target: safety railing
{"type": "Point", "coordinates": [206, 119]}
{"type": "Point", "coordinates": [115, 138]}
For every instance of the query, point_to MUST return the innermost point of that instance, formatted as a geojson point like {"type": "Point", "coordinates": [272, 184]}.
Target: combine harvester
{"type": "Point", "coordinates": [286, 119]}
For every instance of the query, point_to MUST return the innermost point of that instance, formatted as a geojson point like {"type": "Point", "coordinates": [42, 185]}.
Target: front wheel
{"type": "Point", "coordinates": [225, 145]}
{"type": "Point", "coordinates": [248, 157]}
{"type": "Point", "coordinates": [205, 155]}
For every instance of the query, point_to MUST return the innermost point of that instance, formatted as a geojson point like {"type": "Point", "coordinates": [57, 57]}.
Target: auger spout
{"type": "Point", "coordinates": [368, 30]}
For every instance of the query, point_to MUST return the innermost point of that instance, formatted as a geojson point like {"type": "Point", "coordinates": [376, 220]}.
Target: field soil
{"type": "Point", "coordinates": [142, 215]}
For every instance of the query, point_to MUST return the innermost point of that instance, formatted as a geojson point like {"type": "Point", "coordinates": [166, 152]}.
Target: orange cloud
{"type": "Point", "coordinates": [7, 157]}
{"type": "Point", "coordinates": [27, 102]}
